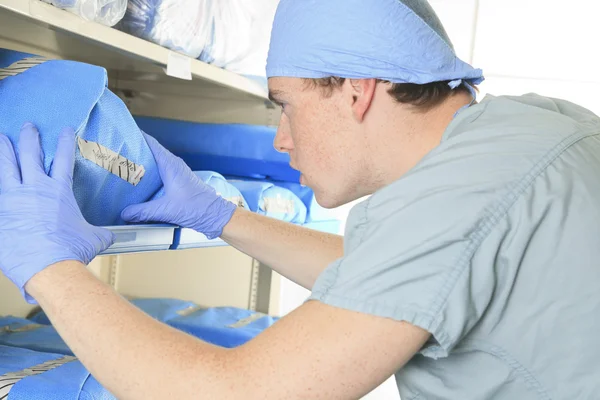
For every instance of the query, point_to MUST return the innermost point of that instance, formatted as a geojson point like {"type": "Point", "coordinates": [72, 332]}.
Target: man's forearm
{"type": "Point", "coordinates": [133, 355]}
{"type": "Point", "coordinates": [298, 253]}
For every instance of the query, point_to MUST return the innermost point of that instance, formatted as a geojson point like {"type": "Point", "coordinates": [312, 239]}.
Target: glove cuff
{"type": "Point", "coordinates": [217, 215]}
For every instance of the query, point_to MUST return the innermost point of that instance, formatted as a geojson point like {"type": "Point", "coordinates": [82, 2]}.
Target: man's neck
{"type": "Point", "coordinates": [408, 136]}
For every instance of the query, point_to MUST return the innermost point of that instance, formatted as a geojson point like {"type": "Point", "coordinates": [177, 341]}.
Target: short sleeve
{"type": "Point", "coordinates": [409, 254]}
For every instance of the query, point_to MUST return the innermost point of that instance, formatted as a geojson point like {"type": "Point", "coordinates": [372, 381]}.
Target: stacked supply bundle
{"type": "Point", "coordinates": [273, 201]}
{"type": "Point", "coordinates": [231, 34]}
{"type": "Point", "coordinates": [114, 166]}
{"type": "Point", "coordinates": [105, 12]}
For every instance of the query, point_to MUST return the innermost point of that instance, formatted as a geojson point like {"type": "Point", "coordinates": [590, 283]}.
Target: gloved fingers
{"type": "Point", "coordinates": [106, 239]}
{"type": "Point", "coordinates": [164, 160]}
{"type": "Point", "coordinates": [31, 154]}
{"type": "Point", "coordinates": [146, 212]}
{"type": "Point", "coordinates": [64, 160]}
{"type": "Point", "coordinates": [10, 176]}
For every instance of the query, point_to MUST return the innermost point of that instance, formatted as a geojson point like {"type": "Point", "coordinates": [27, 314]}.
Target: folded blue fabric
{"type": "Point", "coordinates": [223, 326]}
{"type": "Point", "coordinates": [272, 201]}
{"type": "Point", "coordinates": [24, 333]}
{"type": "Point", "coordinates": [114, 166]}
{"type": "Point", "coordinates": [229, 149]}
{"type": "Point", "coordinates": [161, 309]}
{"type": "Point", "coordinates": [28, 375]}
{"type": "Point", "coordinates": [164, 309]}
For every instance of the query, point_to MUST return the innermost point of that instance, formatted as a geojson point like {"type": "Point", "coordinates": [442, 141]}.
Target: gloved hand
{"type": "Point", "coordinates": [40, 221]}
{"type": "Point", "coordinates": [188, 202]}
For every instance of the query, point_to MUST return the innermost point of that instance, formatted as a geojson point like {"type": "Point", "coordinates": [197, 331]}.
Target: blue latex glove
{"type": "Point", "coordinates": [40, 221]}
{"type": "Point", "coordinates": [188, 202]}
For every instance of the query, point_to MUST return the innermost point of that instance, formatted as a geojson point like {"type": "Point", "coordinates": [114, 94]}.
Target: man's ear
{"type": "Point", "coordinates": [362, 92]}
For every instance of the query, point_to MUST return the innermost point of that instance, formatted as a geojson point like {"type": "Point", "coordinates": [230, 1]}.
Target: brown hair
{"type": "Point", "coordinates": [424, 97]}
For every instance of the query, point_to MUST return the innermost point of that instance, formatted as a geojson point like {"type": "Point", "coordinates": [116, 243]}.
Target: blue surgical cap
{"type": "Point", "coordinates": [401, 41]}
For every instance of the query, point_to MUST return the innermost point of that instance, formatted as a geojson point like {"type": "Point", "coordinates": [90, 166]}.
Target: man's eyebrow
{"type": "Point", "coordinates": [275, 96]}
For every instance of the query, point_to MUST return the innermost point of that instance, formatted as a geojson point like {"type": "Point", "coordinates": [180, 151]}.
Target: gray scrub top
{"type": "Point", "coordinates": [492, 244]}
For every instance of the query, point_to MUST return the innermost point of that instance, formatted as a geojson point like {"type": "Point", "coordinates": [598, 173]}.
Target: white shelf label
{"type": "Point", "coordinates": [179, 66]}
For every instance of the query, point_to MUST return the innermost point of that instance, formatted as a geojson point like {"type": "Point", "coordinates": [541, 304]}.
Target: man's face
{"type": "Point", "coordinates": [321, 136]}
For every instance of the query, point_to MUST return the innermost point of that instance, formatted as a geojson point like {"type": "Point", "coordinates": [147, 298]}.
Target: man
{"type": "Point", "coordinates": [471, 271]}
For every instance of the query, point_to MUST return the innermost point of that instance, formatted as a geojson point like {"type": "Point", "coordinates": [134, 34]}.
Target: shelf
{"type": "Point", "coordinates": [160, 237]}
{"type": "Point", "coordinates": [136, 68]}
{"type": "Point", "coordinates": [190, 239]}
{"type": "Point", "coordinates": [140, 238]}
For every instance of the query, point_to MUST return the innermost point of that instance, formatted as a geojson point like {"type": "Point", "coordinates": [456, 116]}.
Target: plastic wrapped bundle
{"type": "Point", "coordinates": [181, 25]}
{"type": "Point", "coordinates": [223, 188]}
{"type": "Point", "coordinates": [114, 167]}
{"type": "Point", "coordinates": [272, 201]}
{"type": "Point", "coordinates": [231, 34]}
{"type": "Point", "coordinates": [105, 12]}
{"type": "Point", "coordinates": [242, 50]}
{"type": "Point", "coordinates": [315, 212]}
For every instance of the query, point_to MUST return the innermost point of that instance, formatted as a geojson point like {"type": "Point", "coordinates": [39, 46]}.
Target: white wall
{"type": "Point", "coordinates": [547, 47]}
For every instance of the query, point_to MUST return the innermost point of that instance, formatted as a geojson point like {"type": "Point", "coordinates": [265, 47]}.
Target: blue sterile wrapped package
{"type": "Point", "coordinates": [223, 326]}
{"type": "Point", "coordinates": [229, 149]}
{"type": "Point", "coordinates": [161, 309]}
{"type": "Point", "coordinates": [273, 201]}
{"type": "Point", "coordinates": [105, 12]}
{"type": "Point", "coordinates": [224, 189]}
{"type": "Point", "coordinates": [231, 34]}
{"type": "Point", "coordinates": [221, 186]}
{"type": "Point", "coordinates": [20, 332]}
{"type": "Point", "coordinates": [26, 374]}
{"type": "Point", "coordinates": [315, 212]}
{"type": "Point", "coordinates": [114, 166]}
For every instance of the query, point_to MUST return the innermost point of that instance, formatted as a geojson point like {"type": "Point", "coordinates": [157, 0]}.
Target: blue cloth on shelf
{"type": "Point", "coordinates": [223, 326]}
{"type": "Point", "coordinates": [27, 334]}
{"type": "Point", "coordinates": [163, 309]}
{"type": "Point", "coordinates": [273, 201]}
{"type": "Point", "coordinates": [56, 94]}
{"type": "Point", "coordinates": [26, 374]}
{"type": "Point", "coordinates": [229, 149]}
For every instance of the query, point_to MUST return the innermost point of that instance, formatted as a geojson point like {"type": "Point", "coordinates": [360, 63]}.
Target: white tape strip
{"type": "Point", "coordinates": [111, 161]}
{"type": "Point", "coordinates": [279, 205]}
{"type": "Point", "coordinates": [247, 321]}
{"type": "Point", "coordinates": [7, 381]}
{"type": "Point", "coordinates": [21, 66]}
